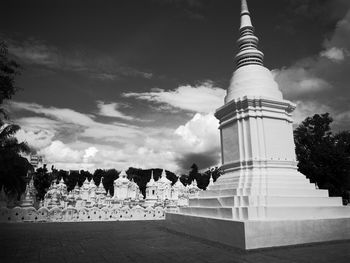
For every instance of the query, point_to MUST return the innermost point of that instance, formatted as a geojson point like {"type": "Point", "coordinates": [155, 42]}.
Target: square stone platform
{"type": "Point", "coordinates": [255, 234]}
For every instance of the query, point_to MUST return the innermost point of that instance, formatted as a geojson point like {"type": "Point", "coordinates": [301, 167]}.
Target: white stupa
{"type": "Point", "coordinates": [164, 187]}
{"type": "Point", "coordinates": [261, 200]}
{"type": "Point", "coordinates": [151, 191]}
{"type": "Point", "coordinates": [121, 186]}
{"type": "Point", "coordinates": [163, 179]}
{"type": "Point", "coordinates": [27, 201]}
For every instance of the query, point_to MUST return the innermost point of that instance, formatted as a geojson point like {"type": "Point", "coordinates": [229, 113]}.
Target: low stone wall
{"type": "Point", "coordinates": [70, 214]}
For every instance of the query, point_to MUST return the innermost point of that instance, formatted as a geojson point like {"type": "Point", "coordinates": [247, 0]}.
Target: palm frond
{"type": "Point", "coordinates": [8, 131]}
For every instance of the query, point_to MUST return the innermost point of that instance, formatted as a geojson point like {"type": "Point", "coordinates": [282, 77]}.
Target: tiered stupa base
{"type": "Point", "coordinates": [255, 234]}
{"type": "Point", "coordinates": [261, 200]}
{"type": "Point", "coordinates": [287, 211]}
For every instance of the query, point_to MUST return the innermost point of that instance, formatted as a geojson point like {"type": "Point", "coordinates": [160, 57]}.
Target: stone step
{"type": "Point", "coordinates": [223, 213]}
{"type": "Point", "coordinates": [268, 213]}
{"type": "Point", "coordinates": [285, 184]}
{"type": "Point", "coordinates": [238, 201]}
{"type": "Point", "coordinates": [269, 192]}
{"type": "Point", "coordinates": [296, 177]}
{"type": "Point", "coordinates": [315, 212]}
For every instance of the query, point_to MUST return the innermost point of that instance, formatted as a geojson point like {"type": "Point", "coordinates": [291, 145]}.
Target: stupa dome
{"type": "Point", "coordinates": [252, 80]}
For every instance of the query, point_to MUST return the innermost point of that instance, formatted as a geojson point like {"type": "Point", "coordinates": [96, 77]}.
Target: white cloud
{"type": "Point", "coordinates": [70, 121]}
{"type": "Point", "coordinates": [65, 115]}
{"type": "Point", "coordinates": [320, 83]}
{"type": "Point", "coordinates": [308, 109]}
{"type": "Point", "coordinates": [200, 134]}
{"type": "Point", "coordinates": [124, 145]}
{"type": "Point", "coordinates": [297, 81]}
{"type": "Point", "coordinates": [340, 37]}
{"type": "Point", "coordinates": [71, 140]}
{"type": "Point", "coordinates": [335, 54]}
{"type": "Point", "coordinates": [37, 52]}
{"type": "Point", "coordinates": [32, 123]}
{"type": "Point", "coordinates": [90, 153]}
{"type": "Point", "coordinates": [203, 98]}
{"type": "Point", "coordinates": [57, 151]}
{"type": "Point", "coordinates": [111, 110]}
{"type": "Point", "coordinates": [36, 138]}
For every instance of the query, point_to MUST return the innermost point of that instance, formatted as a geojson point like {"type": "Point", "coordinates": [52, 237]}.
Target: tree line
{"type": "Point", "coordinates": [43, 178]}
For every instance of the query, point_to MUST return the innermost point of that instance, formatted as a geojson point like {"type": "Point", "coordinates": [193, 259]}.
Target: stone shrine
{"type": "Point", "coordinates": [261, 200]}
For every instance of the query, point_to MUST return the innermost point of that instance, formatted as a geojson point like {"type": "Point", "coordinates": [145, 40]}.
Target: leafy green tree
{"type": "Point", "coordinates": [323, 157]}
{"type": "Point", "coordinates": [13, 172]}
{"type": "Point", "coordinates": [140, 177]}
{"type": "Point", "coordinates": [8, 70]}
{"type": "Point", "coordinates": [214, 172]}
{"type": "Point", "coordinates": [108, 179]}
{"type": "Point", "coordinates": [63, 174]}
{"type": "Point", "coordinates": [73, 179]}
{"type": "Point", "coordinates": [97, 175]}
{"type": "Point", "coordinates": [184, 179]}
{"type": "Point", "coordinates": [84, 175]}
{"type": "Point", "coordinates": [42, 181]}
{"type": "Point", "coordinates": [193, 174]}
{"type": "Point", "coordinates": [13, 167]}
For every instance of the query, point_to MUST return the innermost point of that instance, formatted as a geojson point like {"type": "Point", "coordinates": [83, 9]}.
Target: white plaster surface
{"type": "Point", "coordinates": [260, 233]}
{"type": "Point", "coordinates": [253, 80]}
{"type": "Point", "coordinates": [70, 214]}
{"type": "Point", "coordinates": [229, 143]}
{"type": "Point", "coordinates": [262, 192]}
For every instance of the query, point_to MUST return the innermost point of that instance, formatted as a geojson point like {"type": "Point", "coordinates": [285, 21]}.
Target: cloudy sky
{"type": "Point", "coordinates": [113, 84]}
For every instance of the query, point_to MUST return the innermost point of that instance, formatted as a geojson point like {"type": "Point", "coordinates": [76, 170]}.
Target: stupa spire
{"type": "Point", "coordinates": [248, 52]}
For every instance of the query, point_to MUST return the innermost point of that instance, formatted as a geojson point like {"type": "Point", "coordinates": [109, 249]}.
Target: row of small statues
{"type": "Point", "coordinates": [90, 197]}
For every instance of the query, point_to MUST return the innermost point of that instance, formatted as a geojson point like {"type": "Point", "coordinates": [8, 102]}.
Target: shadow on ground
{"type": "Point", "coordinates": [140, 241]}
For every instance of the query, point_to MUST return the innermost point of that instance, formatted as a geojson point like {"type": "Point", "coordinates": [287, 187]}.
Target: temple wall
{"type": "Point", "coordinates": [56, 214]}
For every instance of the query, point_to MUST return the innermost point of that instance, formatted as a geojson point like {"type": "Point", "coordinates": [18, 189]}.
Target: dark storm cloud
{"type": "Point", "coordinates": [191, 8]}
{"type": "Point", "coordinates": [203, 160]}
{"type": "Point", "coordinates": [308, 14]}
{"type": "Point", "coordinates": [33, 51]}
{"type": "Point", "coordinates": [321, 83]}
{"type": "Point", "coordinates": [190, 3]}
{"type": "Point", "coordinates": [317, 9]}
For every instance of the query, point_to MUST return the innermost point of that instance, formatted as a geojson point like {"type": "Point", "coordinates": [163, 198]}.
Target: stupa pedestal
{"type": "Point", "coordinates": [257, 234]}
{"type": "Point", "coordinates": [261, 200]}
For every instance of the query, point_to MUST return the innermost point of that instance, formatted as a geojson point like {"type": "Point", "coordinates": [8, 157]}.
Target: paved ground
{"type": "Point", "coordinates": [143, 241]}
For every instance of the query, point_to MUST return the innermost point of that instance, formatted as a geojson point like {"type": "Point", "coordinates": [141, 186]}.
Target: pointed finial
{"type": "Point", "coordinates": [123, 174]}
{"type": "Point", "coordinates": [244, 7]}
{"type": "Point", "coordinates": [163, 173]}
{"type": "Point", "coordinates": [245, 16]}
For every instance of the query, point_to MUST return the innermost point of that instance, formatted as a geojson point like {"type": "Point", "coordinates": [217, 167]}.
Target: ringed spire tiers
{"type": "Point", "coordinates": [248, 43]}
